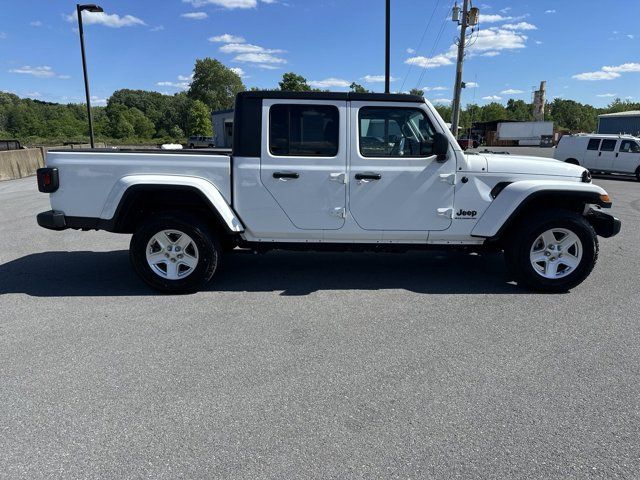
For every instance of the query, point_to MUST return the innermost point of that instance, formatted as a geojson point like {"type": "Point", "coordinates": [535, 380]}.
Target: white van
{"type": "Point", "coordinates": [601, 153]}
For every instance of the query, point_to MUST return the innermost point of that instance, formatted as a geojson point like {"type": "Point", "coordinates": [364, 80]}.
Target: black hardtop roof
{"type": "Point", "coordinates": [336, 96]}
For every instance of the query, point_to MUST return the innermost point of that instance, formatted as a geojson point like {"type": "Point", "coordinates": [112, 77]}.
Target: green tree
{"type": "Point", "coordinates": [214, 84]}
{"type": "Point", "coordinates": [292, 82]}
{"type": "Point", "coordinates": [416, 91]}
{"type": "Point", "coordinates": [357, 88]}
{"type": "Point", "coordinates": [200, 119]}
{"type": "Point", "coordinates": [519, 110]}
{"type": "Point", "coordinates": [494, 111]}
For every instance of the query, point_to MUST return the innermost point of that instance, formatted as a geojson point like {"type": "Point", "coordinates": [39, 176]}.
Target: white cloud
{"type": "Point", "coordinates": [505, 10]}
{"type": "Point", "coordinates": [491, 53]}
{"type": "Point", "coordinates": [34, 94]}
{"type": "Point", "coordinates": [625, 67]}
{"type": "Point", "coordinates": [432, 62]}
{"type": "Point", "coordinates": [330, 82]}
{"type": "Point", "coordinates": [36, 23]}
{"type": "Point", "coordinates": [496, 39]}
{"type": "Point", "coordinates": [607, 95]}
{"type": "Point", "coordinates": [519, 26]}
{"type": "Point", "coordinates": [227, 38]}
{"type": "Point", "coordinates": [472, 85]}
{"type": "Point", "coordinates": [159, 28]}
{"type": "Point", "coordinates": [493, 98]}
{"type": "Point", "coordinates": [238, 71]}
{"type": "Point", "coordinates": [182, 83]}
{"type": "Point", "coordinates": [195, 15]}
{"type": "Point", "coordinates": [493, 18]}
{"type": "Point", "coordinates": [229, 4]}
{"type": "Point", "coordinates": [98, 101]}
{"type": "Point", "coordinates": [511, 91]}
{"type": "Point", "coordinates": [538, 42]}
{"type": "Point", "coordinates": [434, 89]}
{"type": "Point", "coordinates": [377, 78]}
{"type": "Point", "coordinates": [411, 51]}
{"type": "Point", "coordinates": [441, 100]}
{"type": "Point", "coordinates": [108, 20]}
{"type": "Point", "coordinates": [259, 58]}
{"type": "Point", "coordinates": [608, 72]}
{"type": "Point", "coordinates": [246, 48]}
{"type": "Point", "coordinates": [40, 72]}
{"type": "Point", "coordinates": [595, 76]}
{"type": "Point", "coordinates": [549, 11]}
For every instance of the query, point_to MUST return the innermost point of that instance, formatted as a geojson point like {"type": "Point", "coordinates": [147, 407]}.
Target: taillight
{"type": "Point", "coordinates": [47, 179]}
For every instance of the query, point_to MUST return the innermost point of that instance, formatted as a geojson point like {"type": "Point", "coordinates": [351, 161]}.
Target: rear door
{"type": "Point", "coordinates": [591, 155]}
{"type": "Point", "coordinates": [303, 165]}
{"type": "Point", "coordinates": [395, 183]}
{"type": "Point", "coordinates": [607, 154]}
{"type": "Point", "coordinates": [628, 158]}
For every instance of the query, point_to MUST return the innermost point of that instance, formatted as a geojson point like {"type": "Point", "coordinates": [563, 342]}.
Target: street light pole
{"type": "Point", "coordinates": [79, 10]}
{"type": "Point", "coordinates": [387, 70]}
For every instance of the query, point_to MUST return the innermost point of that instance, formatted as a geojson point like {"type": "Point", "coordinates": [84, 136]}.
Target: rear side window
{"type": "Point", "coordinates": [594, 144]}
{"type": "Point", "coordinates": [304, 130]}
{"type": "Point", "coordinates": [608, 145]}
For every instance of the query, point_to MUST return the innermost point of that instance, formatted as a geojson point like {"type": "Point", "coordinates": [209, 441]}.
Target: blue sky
{"type": "Point", "coordinates": [586, 50]}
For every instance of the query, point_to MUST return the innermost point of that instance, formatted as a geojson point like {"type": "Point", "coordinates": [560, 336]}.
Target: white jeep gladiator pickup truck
{"type": "Point", "coordinates": [320, 171]}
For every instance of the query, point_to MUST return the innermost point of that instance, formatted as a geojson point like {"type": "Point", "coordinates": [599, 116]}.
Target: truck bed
{"type": "Point", "coordinates": [93, 180]}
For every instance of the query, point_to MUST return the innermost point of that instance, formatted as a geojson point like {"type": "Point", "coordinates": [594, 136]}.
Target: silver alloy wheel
{"type": "Point", "coordinates": [556, 253]}
{"type": "Point", "coordinates": [172, 254]}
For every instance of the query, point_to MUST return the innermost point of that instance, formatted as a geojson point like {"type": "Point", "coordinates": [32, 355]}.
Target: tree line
{"type": "Point", "coordinates": [139, 116]}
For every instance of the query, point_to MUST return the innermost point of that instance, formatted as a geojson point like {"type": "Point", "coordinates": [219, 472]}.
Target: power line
{"type": "Point", "coordinates": [433, 49]}
{"type": "Point", "coordinates": [424, 33]}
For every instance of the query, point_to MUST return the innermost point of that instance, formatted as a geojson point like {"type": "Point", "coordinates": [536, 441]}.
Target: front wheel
{"type": "Point", "coordinates": [553, 251]}
{"type": "Point", "coordinates": [174, 254]}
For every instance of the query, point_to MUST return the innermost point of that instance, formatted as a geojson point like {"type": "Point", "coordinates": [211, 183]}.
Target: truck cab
{"type": "Point", "coordinates": [319, 170]}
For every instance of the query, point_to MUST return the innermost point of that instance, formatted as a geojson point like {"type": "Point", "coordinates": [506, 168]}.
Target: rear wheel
{"type": "Point", "coordinates": [174, 254]}
{"type": "Point", "coordinates": [552, 252]}
{"type": "Point", "coordinates": [572, 161]}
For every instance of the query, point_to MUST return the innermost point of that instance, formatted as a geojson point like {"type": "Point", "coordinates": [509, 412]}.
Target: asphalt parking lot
{"type": "Point", "coordinates": [304, 365]}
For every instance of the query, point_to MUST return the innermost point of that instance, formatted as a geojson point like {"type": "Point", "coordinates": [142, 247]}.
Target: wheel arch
{"type": "Point", "coordinates": [134, 198]}
{"type": "Point", "coordinates": [516, 202]}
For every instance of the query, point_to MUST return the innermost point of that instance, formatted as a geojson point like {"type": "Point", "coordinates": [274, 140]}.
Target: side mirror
{"type": "Point", "coordinates": [440, 146]}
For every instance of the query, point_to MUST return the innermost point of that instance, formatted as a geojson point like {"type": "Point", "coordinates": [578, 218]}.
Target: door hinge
{"type": "Point", "coordinates": [340, 177]}
{"type": "Point", "coordinates": [449, 178]}
{"type": "Point", "coordinates": [338, 212]}
{"type": "Point", "coordinates": [445, 212]}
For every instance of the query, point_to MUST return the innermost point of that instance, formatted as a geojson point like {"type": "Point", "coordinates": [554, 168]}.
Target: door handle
{"type": "Point", "coordinates": [286, 175]}
{"type": "Point", "coordinates": [368, 176]}
{"type": "Point", "coordinates": [599, 154]}
{"type": "Point", "coordinates": [617, 155]}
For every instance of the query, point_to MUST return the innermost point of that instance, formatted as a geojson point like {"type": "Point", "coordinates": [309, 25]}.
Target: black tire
{"type": "Point", "coordinates": [519, 244]}
{"type": "Point", "coordinates": [208, 253]}
{"type": "Point", "coordinates": [572, 161]}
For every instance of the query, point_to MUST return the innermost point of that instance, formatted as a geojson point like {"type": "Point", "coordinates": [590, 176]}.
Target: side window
{"type": "Point", "coordinates": [629, 146]}
{"type": "Point", "coordinates": [395, 132]}
{"type": "Point", "coordinates": [608, 145]}
{"type": "Point", "coordinates": [594, 144]}
{"type": "Point", "coordinates": [304, 130]}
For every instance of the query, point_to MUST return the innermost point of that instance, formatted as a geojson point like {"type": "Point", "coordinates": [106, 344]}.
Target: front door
{"type": "Point", "coordinates": [304, 164]}
{"type": "Point", "coordinates": [395, 183]}
{"type": "Point", "coordinates": [628, 159]}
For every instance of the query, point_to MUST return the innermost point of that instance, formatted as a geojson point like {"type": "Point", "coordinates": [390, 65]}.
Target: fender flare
{"type": "Point", "coordinates": [518, 195]}
{"type": "Point", "coordinates": [204, 187]}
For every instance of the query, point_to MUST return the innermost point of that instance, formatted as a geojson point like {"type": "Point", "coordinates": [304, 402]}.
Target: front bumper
{"type": "Point", "coordinates": [605, 224]}
{"type": "Point", "coordinates": [52, 220]}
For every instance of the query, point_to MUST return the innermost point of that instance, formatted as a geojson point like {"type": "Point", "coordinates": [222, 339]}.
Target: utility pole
{"type": "Point", "coordinates": [469, 18]}
{"type": "Point", "coordinates": [387, 69]}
